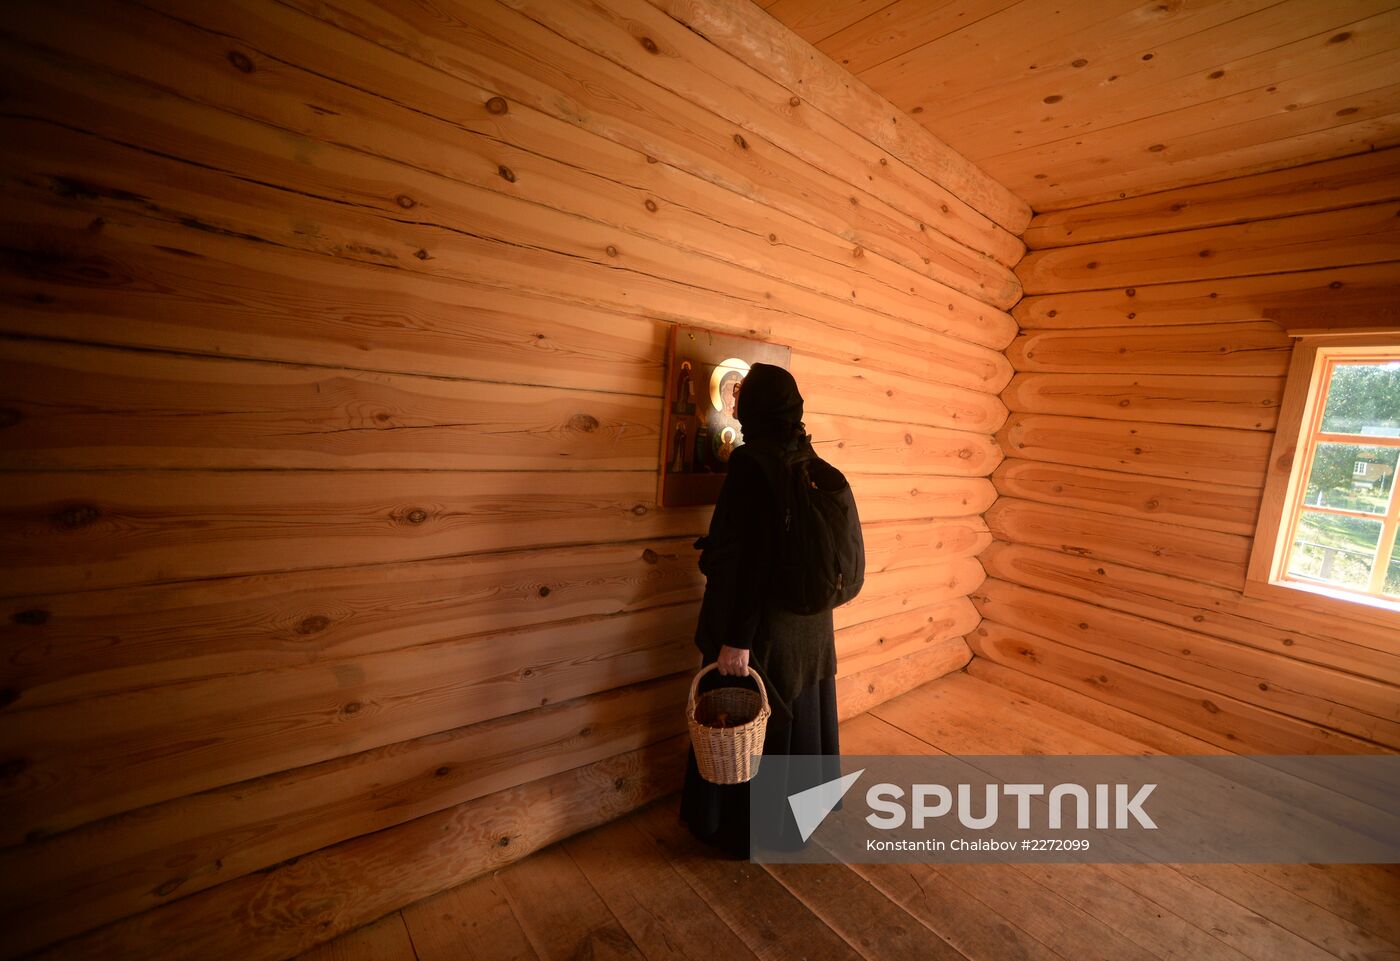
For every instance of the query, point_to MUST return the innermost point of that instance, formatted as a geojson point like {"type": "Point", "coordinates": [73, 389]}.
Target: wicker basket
{"type": "Point", "coordinates": [727, 754]}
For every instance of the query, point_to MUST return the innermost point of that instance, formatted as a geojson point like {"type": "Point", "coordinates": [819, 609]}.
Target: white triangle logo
{"type": "Point", "coordinates": [810, 807]}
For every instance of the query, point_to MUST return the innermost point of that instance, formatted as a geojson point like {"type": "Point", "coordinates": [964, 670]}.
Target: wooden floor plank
{"type": "Point", "coordinates": [652, 902]}
{"type": "Point", "coordinates": [1289, 912]}
{"type": "Point", "coordinates": [1366, 895]}
{"type": "Point", "coordinates": [471, 922]}
{"type": "Point", "coordinates": [862, 914]}
{"type": "Point", "coordinates": [385, 940]}
{"type": "Point", "coordinates": [643, 887]}
{"type": "Point", "coordinates": [1232, 923]}
{"type": "Point", "coordinates": [560, 913]}
{"type": "Point", "coordinates": [974, 929]}
{"type": "Point", "coordinates": [1144, 922]}
{"type": "Point", "coordinates": [773, 923]}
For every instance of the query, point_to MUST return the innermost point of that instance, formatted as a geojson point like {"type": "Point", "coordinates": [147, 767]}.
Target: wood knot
{"type": "Point", "coordinates": [858, 252]}
{"type": "Point", "coordinates": [739, 139]}
{"type": "Point", "coordinates": [506, 173]}
{"type": "Point", "coordinates": [650, 556]}
{"type": "Point", "coordinates": [1151, 505]}
{"type": "Point", "coordinates": [619, 783]}
{"type": "Point", "coordinates": [497, 105]}
{"type": "Point", "coordinates": [1216, 74]}
{"type": "Point", "coordinates": [651, 205]}
{"type": "Point", "coordinates": [240, 61]}
{"type": "Point", "coordinates": [1081, 62]}
{"type": "Point", "coordinates": [544, 590]}
{"type": "Point", "coordinates": [1210, 706]}
{"type": "Point", "coordinates": [611, 250]}
{"type": "Point", "coordinates": [1092, 264]}
{"type": "Point", "coordinates": [908, 438]}
{"type": "Point", "coordinates": [167, 888]}
{"type": "Point", "coordinates": [1263, 686]}
{"type": "Point", "coordinates": [1342, 37]}
{"type": "Point", "coordinates": [772, 238]}
{"type": "Point", "coordinates": [1131, 291]}
{"type": "Point", "coordinates": [352, 708]}
{"type": "Point", "coordinates": [1054, 98]}
{"type": "Point", "coordinates": [314, 624]}
{"type": "Point", "coordinates": [1204, 253]}
{"type": "Point", "coordinates": [442, 771]}
{"type": "Point", "coordinates": [639, 509]}
{"type": "Point", "coordinates": [76, 517]}
{"type": "Point", "coordinates": [421, 254]}
{"type": "Point", "coordinates": [1157, 148]}
{"type": "Point", "coordinates": [1147, 56]}
{"type": "Point", "coordinates": [405, 201]}
{"type": "Point", "coordinates": [1051, 313]}
{"type": "Point", "coordinates": [649, 45]}
{"type": "Point", "coordinates": [794, 101]}
{"type": "Point", "coordinates": [1347, 111]}
{"type": "Point", "coordinates": [503, 842]}
{"type": "Point", "coordinates": [30, 618]}
{"type": "Point", "coordinates": [585, 731]}
{"type": "Point", "coordinates": [416, 516]}
{"type": "Point", "coordinates": [917, 110]}
{"type": "Point", "coordinates": [583, 422]}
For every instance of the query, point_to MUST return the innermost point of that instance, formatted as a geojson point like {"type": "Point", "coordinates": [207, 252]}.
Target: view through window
{"type": "Point", "coordinates": [1343, 531]}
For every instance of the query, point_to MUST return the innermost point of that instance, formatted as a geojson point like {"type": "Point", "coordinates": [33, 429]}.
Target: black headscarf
{"type": "Point", "coordinates": [770, 405]}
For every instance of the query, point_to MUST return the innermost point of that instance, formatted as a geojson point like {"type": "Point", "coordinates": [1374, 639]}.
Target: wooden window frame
{"type": "Point", "coordinates": [1299, 410]}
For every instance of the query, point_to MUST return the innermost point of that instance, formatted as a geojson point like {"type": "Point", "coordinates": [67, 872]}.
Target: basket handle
{"type": "Point", "coordinates": [714, 665]}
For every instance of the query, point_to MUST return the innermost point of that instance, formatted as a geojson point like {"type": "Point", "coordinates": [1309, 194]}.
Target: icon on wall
{"type": "Point", "coordinates": [705, 373]}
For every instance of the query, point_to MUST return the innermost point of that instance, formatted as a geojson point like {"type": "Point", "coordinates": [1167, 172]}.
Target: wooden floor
{"type": "Point", "coordinates": [641, 887]}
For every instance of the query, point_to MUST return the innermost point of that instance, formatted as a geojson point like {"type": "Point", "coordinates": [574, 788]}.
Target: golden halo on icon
{"type": "Point", "coordinates": [722, 369]}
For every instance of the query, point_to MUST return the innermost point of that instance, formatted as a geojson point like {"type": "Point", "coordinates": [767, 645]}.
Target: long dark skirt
{"type": "Point", "coordinates": [719, 813]}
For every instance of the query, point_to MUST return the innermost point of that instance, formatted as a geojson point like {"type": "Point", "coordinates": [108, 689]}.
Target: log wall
{"type": "Point", "coordinates": [333, 361]}
{"type": "Point", "coordinates": [1143, 409]}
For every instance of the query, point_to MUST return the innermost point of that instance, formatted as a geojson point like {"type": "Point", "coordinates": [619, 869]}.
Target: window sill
{"type": "Point", "coordinates": [1328, 600]}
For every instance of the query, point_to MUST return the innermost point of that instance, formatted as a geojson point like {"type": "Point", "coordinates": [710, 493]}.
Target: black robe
{"type": "Point", "coordinates": [794, 654]}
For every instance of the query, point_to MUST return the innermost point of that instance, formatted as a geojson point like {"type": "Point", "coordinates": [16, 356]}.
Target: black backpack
{"type": "Point", "coordinates": [820, 561]}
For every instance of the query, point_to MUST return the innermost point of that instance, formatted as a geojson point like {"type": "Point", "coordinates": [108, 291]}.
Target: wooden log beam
{"type": "Point", "coordinates": [1334, 238]}
{"type": "Point", "coordinates": [279, 913]}
{"type": "Point", "coordinates": [80, 760]}
{"type": "Point", "coordinates": [1211, 301]}
{"type": "Point", "coordinates": [321, 895]}
{"type": "Point", "coordinates": [73, 882]}
{"type": "Point", "coordinates": [1213, 507]}
{"type": "Point", "coordinates": [1238, 726]}
{"type": "Point", "coordinates": [84, 407]}
{"type": "Point", "coordinates": [1159, 737]}
{"type": "Point", "coordinates": [378, 157]}
{"type": "Point", "coordinates": [1354, 646]}
{"type": "Point", "coordinates": [1214, 455]}
{"type": "Point", "coordinates": [1358, 706]}
{"type": "Point", "coordinates": [689, 64]}
{"type": "Point", "coordinates": [1363, 178]}
{"type": "Point", "coordinates": [1214, 400]}
{"type": "Point", "coordinates": [1257, 349]}
{"type": "Point", "coordinates": [755, 37]}
{"type": "Point", "coordinates": [1197, 555]}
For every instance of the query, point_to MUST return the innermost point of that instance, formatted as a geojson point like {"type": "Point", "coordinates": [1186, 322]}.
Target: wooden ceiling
{"type": "Point", "coordinates": [1074, 101]}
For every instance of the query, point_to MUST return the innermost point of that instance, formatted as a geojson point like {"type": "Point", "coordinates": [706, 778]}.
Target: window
{"type": "Point", "coordinates": [1330, 515]}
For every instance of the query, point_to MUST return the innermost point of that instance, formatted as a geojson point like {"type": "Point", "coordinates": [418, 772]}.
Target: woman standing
{"type": "Point", "coordinates": [742, 625]}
